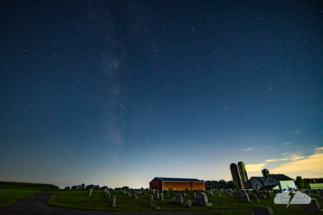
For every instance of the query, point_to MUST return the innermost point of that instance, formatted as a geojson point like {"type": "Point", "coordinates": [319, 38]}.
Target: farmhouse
{"type": "Point", "coordinates": [159, 183]}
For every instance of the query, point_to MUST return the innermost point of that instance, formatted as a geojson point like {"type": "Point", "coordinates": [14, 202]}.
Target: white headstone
{"type": "Point", "coordinates": [157, 196]}
{"type": "Point", "coordinates": [203, 200]}
{"type": "Point", "coordinates": [179, 199]}
{"type": "Point", "coordinates": [135, 195]}
{"type": "Point", "coordinates": [150, 201]}
{"type": "Point", "coordinates": [161, 197]}
{"type": "Point", "coordinates": [91, 192]}
{"type": "Point", "coordinates": [114, 201]}
{"type": "Point", "coordinates": [189, 203]}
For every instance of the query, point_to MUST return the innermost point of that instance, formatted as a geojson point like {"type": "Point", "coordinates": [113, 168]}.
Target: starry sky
{"type": "Point", "coordinates": [117, 92]}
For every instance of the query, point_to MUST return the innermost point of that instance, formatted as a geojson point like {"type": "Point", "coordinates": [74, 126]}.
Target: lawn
{"type": "Point", "coordinates": [10, 196]}
{"type": "Point", "coordinates": [81, 200]}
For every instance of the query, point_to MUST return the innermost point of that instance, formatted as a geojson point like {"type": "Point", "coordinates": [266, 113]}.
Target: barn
{"type": "Point", "coordinates": [282, 181]}
{"type": "Point", "coordinates": [272, 182]}
{"type": "Point", "coordinates": [160, 183]}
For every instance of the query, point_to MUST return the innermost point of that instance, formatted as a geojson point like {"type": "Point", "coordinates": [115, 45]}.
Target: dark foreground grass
{"type": "Point", "coordinates": [224, 205]}
{"type": "Point", "coordinates": [9, 197]}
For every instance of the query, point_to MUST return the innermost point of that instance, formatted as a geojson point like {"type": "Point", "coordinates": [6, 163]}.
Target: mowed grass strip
{"type": "Point", "coordinates": [10, 196]}
{"type": "Point", "coordinates": [81, 200]}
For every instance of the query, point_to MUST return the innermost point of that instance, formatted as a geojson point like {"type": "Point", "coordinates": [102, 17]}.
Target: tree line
{"type": "Point", "coordinates": [26, 185]}
{"type": "Point", "coordinates": [83, 187]}
{"type": "Point", "coordinates": [220, 184]}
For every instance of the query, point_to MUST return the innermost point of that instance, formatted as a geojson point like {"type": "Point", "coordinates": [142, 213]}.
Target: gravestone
{"type": "Point", "coordinates": [188, 203]}
{"type": "Point", "coordinates": [194, 195]}
{"type": "Point", "coordinates": [184, 194]}
{"type": "Point", "coordinates": [91, 192]}
{"type": "Point", "coordinates": [262, 211]}
{"type": "Point", "coordinates": [237, 194]}
{"type": "Point", "coordinates": [153, 191]}
{"type": "Point", "coordinates": [135, 195]}
{"type": "Point", "coordinates": [161, 197]}
{"type": "Point", "coordinates": [108, 196]}
{"type": "Point", "coordinates": [124, 192]}
{"type": "Point", "coordinates": [252, 195]}
{"type": "Point", "coordinates": [174, 199]}
{"type": "Point", "coordinates": [245, 198]}
{"type": "Point", "coordinates": [263, 196]}
{"type": "Point", "coordinates": [202, 200]}
{"type": "Point", "coordinates": [114, 201]}
{"type": "Point", "coordinates": [157, 196]}
{"type": "Point", "coordinates": [179, 199]}
{"type": "Point", "coordinates": [313, 206]}
{"type": "Point", "coordinates": [150, 201]}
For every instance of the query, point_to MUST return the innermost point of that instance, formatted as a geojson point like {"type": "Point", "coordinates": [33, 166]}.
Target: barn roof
{"type": "Point", "coordinates": [280, 177]}
{"type": "Point", "coordinates": [258, 177]}
{"type": "Point", "coordinates": [177, 179]}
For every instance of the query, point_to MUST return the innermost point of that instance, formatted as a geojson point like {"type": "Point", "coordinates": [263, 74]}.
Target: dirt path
{"type": "Point", "coordinates": [37, 204]}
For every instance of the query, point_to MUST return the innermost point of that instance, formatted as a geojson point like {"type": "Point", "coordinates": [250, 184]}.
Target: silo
{"type": "Point", "coordinates": [235, 175]}
{"type": "Point", "coordinates": [265, 173]}
{"type": "Point", "coordinates": [243, 172]}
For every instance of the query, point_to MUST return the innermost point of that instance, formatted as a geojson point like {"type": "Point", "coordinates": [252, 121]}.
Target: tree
{"type": "Point", "coordinates": [300, 182]}
{"type": "Point", "coordinates": [232, 185]}
{"type": "Point", "coordinates": [67, 188]}
{"type": "Point", "coordinates": [74, 187]}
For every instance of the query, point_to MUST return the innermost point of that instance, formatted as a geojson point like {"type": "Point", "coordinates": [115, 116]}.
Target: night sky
{"type": "Point", "coordinates": [118, 92]}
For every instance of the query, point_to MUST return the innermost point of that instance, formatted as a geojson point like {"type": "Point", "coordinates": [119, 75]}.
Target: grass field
{"type": "Point", "coordinates": [225, 204]}
{"type": "Point", "coordinates": [9, 197]}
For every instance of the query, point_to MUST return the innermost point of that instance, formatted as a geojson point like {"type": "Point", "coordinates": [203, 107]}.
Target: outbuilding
{"type": "Point", "coordinates": [256, 183]}
{"type": "Point", "coordinates": [160, 183]}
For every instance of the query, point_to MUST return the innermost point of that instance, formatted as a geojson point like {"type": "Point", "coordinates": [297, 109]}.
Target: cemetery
{"type": "Point", "coordinates": [244, 201]}
{"type": "Point", "coordinates": [220, 200]}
